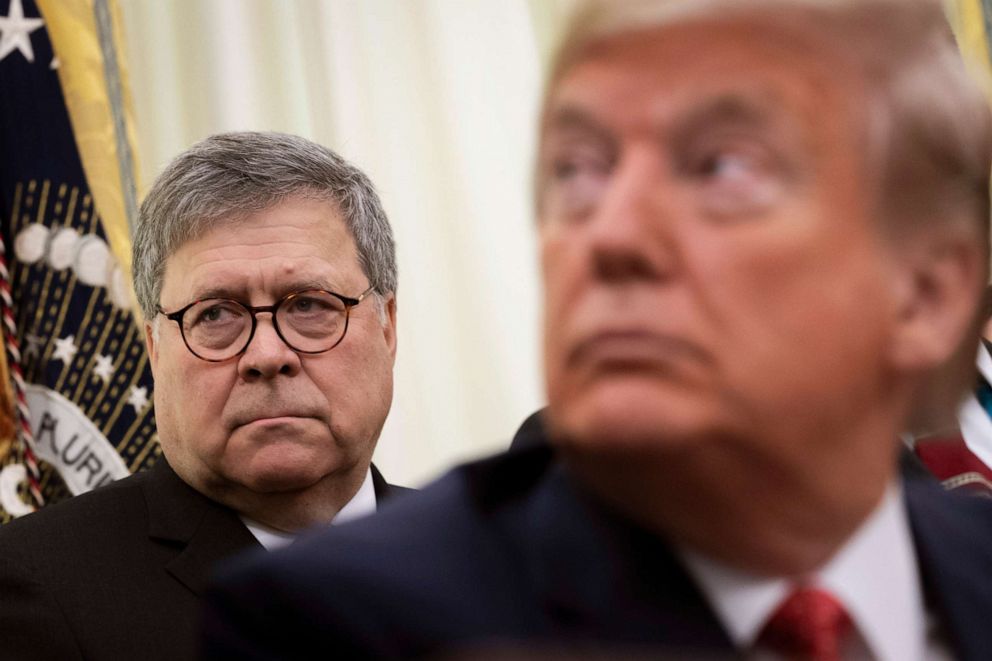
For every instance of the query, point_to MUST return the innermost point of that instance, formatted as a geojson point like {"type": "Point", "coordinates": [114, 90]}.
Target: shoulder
{"type": "Point", "coordinates": [953, 538]}
{"type": "Point", "coordinates": [445, 547]}
{"type": "Point", "coordinates": [465, 509]}
{"type": "Point", "coordinates": [60, 528]}
{"type": "Point", "coordinates": [936, 512]}
{"type": "Point", "coordinates": [55, 562]}
{"type": "Point", "coordinates": [950, 528]}
{"type": "Point", "coordinates": [466, 501]}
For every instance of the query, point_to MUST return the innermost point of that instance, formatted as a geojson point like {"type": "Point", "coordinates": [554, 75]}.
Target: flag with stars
{"type": "Point", "coordinates": [75, 403]}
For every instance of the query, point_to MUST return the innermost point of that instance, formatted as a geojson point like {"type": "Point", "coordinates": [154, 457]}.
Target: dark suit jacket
{"type": "Point", "coordinates": [531, 432]}
{"type": "Point", "coordinates": [116, 573]}
{"type": "Point", "coordinates": [511, 551]}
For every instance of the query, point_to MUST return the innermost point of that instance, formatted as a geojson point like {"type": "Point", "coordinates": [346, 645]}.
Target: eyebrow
{"type": "Point", "coordinates": [734, 109]}
{"type": "Point", "coordinates": [573, 118]}
{"type": "Point", "coordinates": [730, 109]}
{"type": "Point", "coordinates": [239, 293]}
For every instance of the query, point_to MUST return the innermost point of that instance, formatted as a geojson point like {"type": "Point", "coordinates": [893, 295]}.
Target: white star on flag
{"type": "Point", "coordinates": [33, 349]}
{"type": "Point", "coordinates": [65, 349]}
{"type": "Point", "coordinates": [138, 398]}
{"type": "Point", "coordinates": [104, 368]}
{"type": "Point", "coordinates": [15, 32]}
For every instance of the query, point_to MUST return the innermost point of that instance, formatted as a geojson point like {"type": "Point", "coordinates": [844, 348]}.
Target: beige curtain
{"type": "Point", "coordinates": [436, 100]}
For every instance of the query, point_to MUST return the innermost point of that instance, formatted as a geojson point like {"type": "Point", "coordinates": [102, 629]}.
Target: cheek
{"type": "Point", "coordinates": [563, 278]}
{"type": "Point", "coordinates": [356, 385]}
{"type": "Point", "coordinates": [190, 398]}
{"type": "Point", "coordinates": [776, 272]}
{"type": "Point", "coordinates": [780, 308]}
{"type": "Point", "coordinates": [755, 293]}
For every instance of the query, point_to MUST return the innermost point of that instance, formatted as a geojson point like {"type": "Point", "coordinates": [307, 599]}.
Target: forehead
{"type": "Point", "coordinates": [299, 242]}
{"type": "Point", "coordinates": [652, 74]}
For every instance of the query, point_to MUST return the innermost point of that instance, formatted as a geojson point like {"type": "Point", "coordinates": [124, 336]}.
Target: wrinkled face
{"type": "Point", "coordinates": [711, 265]}
{"type": "Point", "coordinates": [271, 419]}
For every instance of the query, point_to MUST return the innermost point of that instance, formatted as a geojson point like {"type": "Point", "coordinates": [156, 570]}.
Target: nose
{"type": "Point", "coordinates": [267, 356]}
{"type": "Point", "coordinates": [631, 232]}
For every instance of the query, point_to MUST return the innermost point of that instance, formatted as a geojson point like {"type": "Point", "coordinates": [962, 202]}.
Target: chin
{"type": "Point", "coordinates": [628, 418]}
{"type": "Point", "coordinates": [280, 481]}
{"type": "Point", "coordinates": [277, 469]}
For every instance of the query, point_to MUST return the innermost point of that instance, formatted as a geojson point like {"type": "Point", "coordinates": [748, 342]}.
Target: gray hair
{"type": "Point", "coordinates": [927, 126]}
{"type": "Point", "coordinates": [228, 175]}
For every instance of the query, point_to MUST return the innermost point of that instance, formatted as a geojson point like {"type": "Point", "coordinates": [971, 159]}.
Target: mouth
{"type": "Point", "coordinates": [633, 350]}
{"type": "Point", "coordinates": [277, 419]}
{"type": "Point", "coordinates": [273, 420]}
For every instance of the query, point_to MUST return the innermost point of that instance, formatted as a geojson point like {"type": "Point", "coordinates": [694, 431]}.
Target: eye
{"type": "Point", "coordinates": [736, 178]}
{"type": "Point", "coordinates": [303, 305]}
{"type": "Point", "coordinates": [313, 306]}
{"type": "Point", "coordinates": [572, 163]}
{"type": "Point", "coordinates": [312, 314]}
{"type": "Point", "coordinates": [730, 166]}
{"type": "Point", "coordinates": [214, 313]}
{"type": "Point", "coordinates": [576, 176]}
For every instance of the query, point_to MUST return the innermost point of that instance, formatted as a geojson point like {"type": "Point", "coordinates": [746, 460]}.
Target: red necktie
{"type": "Point", "coordinates": [954, 464]}
{"type": "Point", "coordinates": [810, 625]}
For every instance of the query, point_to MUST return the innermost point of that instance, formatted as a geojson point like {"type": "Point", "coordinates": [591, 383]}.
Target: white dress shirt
{"type": "Point", "coordinates": [874, 575]}
{"type": "Point", "coordinates": [361, 504]}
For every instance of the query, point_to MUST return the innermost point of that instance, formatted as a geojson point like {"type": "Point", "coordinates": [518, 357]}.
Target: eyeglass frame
{"type": "Point", "coordinates": [348, 301]}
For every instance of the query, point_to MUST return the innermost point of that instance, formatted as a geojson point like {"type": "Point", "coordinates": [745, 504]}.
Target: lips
{"type": "Point", "coordinates": [632, 349]}
{"type": "Point", "coordinates": [255, 416]}
{"type": "Point", "coordinates": [276, 418]}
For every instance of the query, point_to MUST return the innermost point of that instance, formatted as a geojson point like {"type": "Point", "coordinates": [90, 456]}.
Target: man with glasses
{"type": "Point", "coordinates": [265, 268]}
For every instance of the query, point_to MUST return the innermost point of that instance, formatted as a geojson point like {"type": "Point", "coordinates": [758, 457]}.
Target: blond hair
{"type": "Point", "coordinates": [928, 130]}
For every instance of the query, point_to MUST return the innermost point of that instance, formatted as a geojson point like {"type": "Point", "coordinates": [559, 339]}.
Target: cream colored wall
{"type": "Point", "coordinates": [436, 101]}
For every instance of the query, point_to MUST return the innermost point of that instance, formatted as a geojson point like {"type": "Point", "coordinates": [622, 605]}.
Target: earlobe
{"type": "Point", "coordinates": [937, 305]}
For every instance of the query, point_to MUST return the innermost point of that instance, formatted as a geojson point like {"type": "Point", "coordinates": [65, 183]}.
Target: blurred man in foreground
{"type": "Point", "coordinates": [265, 268]}
{"type": "Point", "coordinates": [763, 222]}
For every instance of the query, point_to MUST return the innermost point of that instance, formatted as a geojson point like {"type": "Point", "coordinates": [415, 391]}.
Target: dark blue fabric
{"type": "Point", "coordinates": [510, 552]}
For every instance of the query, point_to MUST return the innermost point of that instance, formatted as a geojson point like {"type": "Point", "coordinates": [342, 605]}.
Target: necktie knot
{"type": "Point", "coordinates": [810, 625]}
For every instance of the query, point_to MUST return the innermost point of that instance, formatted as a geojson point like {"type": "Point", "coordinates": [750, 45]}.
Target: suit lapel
{"type": "Point", "coordinates": [953, 536]}
{"type": "Point", "coordinates": [384, 490]}
{"type": "Point", "coordinates": [202, 532]}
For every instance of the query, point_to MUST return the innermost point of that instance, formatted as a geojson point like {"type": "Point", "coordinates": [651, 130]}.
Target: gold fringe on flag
{"type": "Point", "coordinates": [85, 33]}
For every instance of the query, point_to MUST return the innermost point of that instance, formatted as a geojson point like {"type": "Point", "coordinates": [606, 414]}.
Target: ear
{"type": "Point", "coordinates": [151, 346]}
{"type": "Point", "coordinates": [938, 300]}
{"type": "Point", "coordinates": [389, 325]}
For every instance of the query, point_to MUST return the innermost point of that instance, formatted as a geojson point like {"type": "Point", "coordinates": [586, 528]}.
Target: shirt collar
{"type": "Point", "coordinates": [984, 362]}
{"type": "Point", "coordinates": [875, 575]}
{"type": "Point", "coordinates": [973, 419]}
{"type": "Point", "coordinates": [361, 504]}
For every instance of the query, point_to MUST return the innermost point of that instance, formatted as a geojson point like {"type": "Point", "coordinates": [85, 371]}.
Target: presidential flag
{"type": "Point", "coordinates": [75, 405]}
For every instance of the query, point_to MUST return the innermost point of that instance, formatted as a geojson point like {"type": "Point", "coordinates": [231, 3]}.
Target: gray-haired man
{"type": "Point", "coordinates": [265, 268]}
